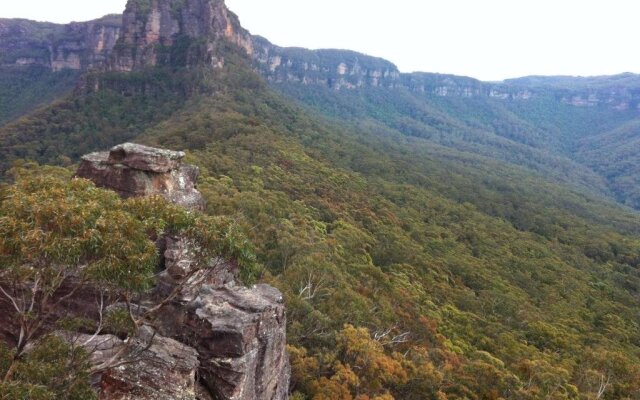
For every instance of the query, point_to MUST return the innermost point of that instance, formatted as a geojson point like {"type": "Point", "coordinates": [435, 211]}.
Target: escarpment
{"type": "Point", "coordinates": [186, 33]}
{"type": "Point", "coordinates": [77, 46]}
{"type": "Point", "coordinates": [215, 339]}
{"type": "Point", "coordinates": [179, 33]}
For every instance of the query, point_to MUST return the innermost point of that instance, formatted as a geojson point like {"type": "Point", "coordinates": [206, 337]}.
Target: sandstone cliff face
{"type": "Point", "coordinates": [231, 337]}
{"type": "Point", "coordinates": [341, 69]}
{"type": "Point", "coordinates": [153, 29]}
{"type": "Point", "coordinates": [77, 46]}
{"type": "Point", "coordinates": [443, 85]}
{"type": "Point", "coordinates": [190, 32]}
{"type": "Point", "coordinates": [165, 370]}
{"type": "Point", "coordinates": [337, 69]}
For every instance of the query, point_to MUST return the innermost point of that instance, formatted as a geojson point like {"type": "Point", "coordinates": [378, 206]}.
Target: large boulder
{"type": "Point", "coordinates": [134, 170]}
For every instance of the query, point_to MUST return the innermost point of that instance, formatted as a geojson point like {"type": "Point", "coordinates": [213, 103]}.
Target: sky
{"type": "Point", "coordinates": [485, 39]}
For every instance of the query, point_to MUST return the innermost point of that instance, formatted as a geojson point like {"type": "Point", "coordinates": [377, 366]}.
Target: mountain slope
{"type": "Point", "coordinates": [542, 123]}
{"type": "Point", "coordinates": [539, 123]}
{"type": "Point", "coordinates": [517, 272]}
{"type": "Point", "coordinates": [23, 90]}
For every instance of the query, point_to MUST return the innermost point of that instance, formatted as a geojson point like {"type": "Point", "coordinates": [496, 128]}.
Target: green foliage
{"type": "Point", "coordinates": [47, 223]}
{"type": "Point", "coordinates": [78, 124]}
{"type": "Point", "coordinates": [142, 8]}
{"type": "Point", "coordinates": [52, 369]}
{"type": "Point", "coordinates": [24, 89]}
{"type": "Point", "coordinates": [420, 248]}
{"type": "Point", "coordinates": [213, 236]}
{"type": "Point", "coordinates": [176, 7]}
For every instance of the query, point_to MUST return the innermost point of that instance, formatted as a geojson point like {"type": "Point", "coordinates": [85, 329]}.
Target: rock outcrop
{"type": "Point", "coordinates": [134, 170]}
{"type": "Point", "coordinates": [176, 32]}
{"type": "Point", "coordinates": [238, 333]}
{"type": "Point", "coordinates": [233, 338]}
{"type": "Point", "coordinates": [184, 33]}
{"type": "Point", "coordinates": [78, 46]}
{"type": "Point", "coordinates": [163, 369]}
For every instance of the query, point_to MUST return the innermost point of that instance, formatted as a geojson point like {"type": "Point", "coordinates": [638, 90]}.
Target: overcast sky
{"type": "Point", "coordinates": [486, 39]}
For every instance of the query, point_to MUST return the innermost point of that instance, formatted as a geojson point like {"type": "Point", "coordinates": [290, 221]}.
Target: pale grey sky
{"type": "Point", "coordinates": [486, 39]}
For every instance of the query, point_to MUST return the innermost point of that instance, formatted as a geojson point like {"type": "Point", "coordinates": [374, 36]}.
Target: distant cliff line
{"type": "Point", "coordinates": [115, 42]}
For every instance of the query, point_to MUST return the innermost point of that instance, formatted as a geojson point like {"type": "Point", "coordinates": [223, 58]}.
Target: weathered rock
{"type": "Point", "coordinates": [178, 261]}
{"type": "Point", "coordinates": [145, 158]}
{"type": "Point", "coordinates": [240, 337]}
{"type": "Point", "coordinates": [239, 334]}
{"type": "Point", "coordinates": [77, 46]}
{"type": "Point", "coordinates": [135, 170]}
{"type": "Point", "coordinates": [151, 368]}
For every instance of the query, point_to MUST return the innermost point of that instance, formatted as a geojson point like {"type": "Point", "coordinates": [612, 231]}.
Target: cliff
{"type": "Point", "coordinates": [76, 46]}
{"type": "Point", "coordinates": [183, 33]}
{"type": "Point", "coordinates": [343, 69]}
{"type": "Point", "coordinates": [338, 69]}
{"type": "Point", "coordinates": [149, 33]}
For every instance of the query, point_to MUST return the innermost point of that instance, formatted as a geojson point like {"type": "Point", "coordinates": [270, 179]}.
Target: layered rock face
{"type": "Point", "coordinates": [342, 69]}
{"type": "Point", "coordinates": [183, 33]}
{"type": "Point", "coordinates": [143, 36]}
{"type": "Point", "coordinates": [165, 369]}
{"type": "Point", "coordinates": [231, 337]}
{"type": "Point", "coordinates": [176, 32]}
{"type": "Point", "coordinates": [134, 170]}
{"type": "Point", "coordinates": [76, 46]}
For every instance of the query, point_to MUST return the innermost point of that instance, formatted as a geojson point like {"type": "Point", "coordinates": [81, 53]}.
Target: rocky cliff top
{"type": "Point", "coordinates": [145, 158]}
{"type": "Point", "coordinates": [216, 339]}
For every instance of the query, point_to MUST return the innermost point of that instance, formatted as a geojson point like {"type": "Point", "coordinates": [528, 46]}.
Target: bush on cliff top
{"type": "Point", "coordinates": [58, 233]}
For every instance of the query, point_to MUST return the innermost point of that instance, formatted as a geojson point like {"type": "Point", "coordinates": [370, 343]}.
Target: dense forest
{"type": "Point", "coordinates": [427, 248]}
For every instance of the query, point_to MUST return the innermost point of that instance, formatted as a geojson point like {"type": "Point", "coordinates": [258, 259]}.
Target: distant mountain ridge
{"type": "Point", "coordinates": [532, 122]}
{"type": "Point", "coordinates": [74, 46]}
{"type": "Point", "coordinates": [142, 37]}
